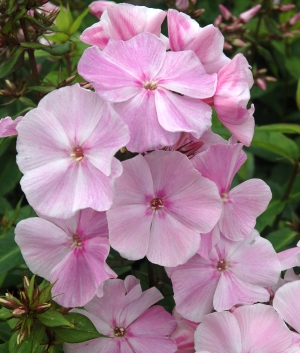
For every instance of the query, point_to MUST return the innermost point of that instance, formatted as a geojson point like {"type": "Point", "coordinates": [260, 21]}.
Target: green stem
{"type": "Point", "coordinates": [31, 56]}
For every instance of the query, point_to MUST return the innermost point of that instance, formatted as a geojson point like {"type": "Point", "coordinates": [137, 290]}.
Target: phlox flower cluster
{"type": "Point", "coordinates": [170, 201]}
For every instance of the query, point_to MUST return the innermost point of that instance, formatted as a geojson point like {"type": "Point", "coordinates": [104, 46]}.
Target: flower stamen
{"type": "Point", "coordinates": [157, 204]}
{"type": "Point", "coordinates": [222, 266]}
{"type": "Point", "coordinates": [150, 86]}
{"type": "Point", "coordinates": [119, 332]}
{"type": "Point", "coordinates": [77, 154]}
{"type": "Point", "coordinates": [77, 242]}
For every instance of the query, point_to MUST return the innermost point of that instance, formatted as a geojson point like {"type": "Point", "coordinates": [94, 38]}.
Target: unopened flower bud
{"type": "Point", "coordinates": [271, 79]}
{"type": "Point", "coordinates": [233, 27]}
{"type": "Point", "coordinates": [261, 71]}
{"type": "Point", "coordinates": [225, 12]}
{"type": "Point", "coordinates": [41, 308]}
{"type": "Point", "coordinates": [98, 7]}
{"type": "Point", "coordinates": [20, 311]}
{"type": "Point", "coordinates": [10, 85]}
{"type": "Point", "coordinates": [238, 42]}
{"type": "Point", "coordinates": [287, 7]}
{"type": "Point", "coordinates": [198, 12]}
{"type": "Point", "coordinates": [227, 46]}
{"type": "Point", "coordinates": [8, 303]}
{"type": "Point", "coordinates": [26, 282]}
{"type": "Point", "coordinates": [294, 19]}
{"type": "Point", "coordinates": [261, 83]}
{"type": "Point", "coordinates": [70, 79]}
{"type": "Point", "coordinates": [22, 336]}
{"type": "Point", "coordinates": [247, 15]}
{"type": "Point", "coordinates": [218, 21]}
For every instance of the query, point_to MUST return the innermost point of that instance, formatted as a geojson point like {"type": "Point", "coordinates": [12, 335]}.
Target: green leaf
{"type": "Point", "coordinates": [25, 347]}
{"type": "Point", "coordinates": [38, 334]}
{"type": "Point", "coordinates": [53, 318]}
{"type": "Point", "coordinates": [4, 205]}
{"type": "Point", "coordinates": [5, 332]}
{"type": "Point", "coordinates": [10, 254]}
{"type": "Point", "coordinates": [42, 89]}
{"type": "Point", "coordinates": [31, 288]}
{"type": "Point", "coordinates": [82, 331]}
{"type": "Point", "coordinates": [4, 313]}
{"type": "Point", "coordinates": [45, 294]}
{"type": "Point", "coordinates": [298, 95]}
{"type": "Point", "coordinates": [10, 174]}
{"type": "Point", "coordinates": [76, 24]}
{"type": "Point", "coordinates": [27, 101]}
{"type": "Point", "coordinates": [4, 348]}
{"type": "Point", "coordinates": [276, 144]}
{"type": "Point", "coordinates": [282, 238]}
{"type": "Point", "coordinates": [267, 218]}
{"type": "Point", "coordinates": [56, 49]}
{"type": "Point", "coordinates": [12, 63]}
{"type": "Point", "coordinates": [64, 19]}
{"type": "Point", "coordinates": [283, 128]}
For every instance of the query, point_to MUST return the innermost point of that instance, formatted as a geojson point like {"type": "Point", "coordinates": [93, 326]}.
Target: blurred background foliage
{"type": "Point", "coordinates": [39, 53]}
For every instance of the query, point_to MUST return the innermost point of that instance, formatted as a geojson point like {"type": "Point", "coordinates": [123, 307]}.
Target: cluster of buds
{"type": "Point", "coordinates": [30, 302]}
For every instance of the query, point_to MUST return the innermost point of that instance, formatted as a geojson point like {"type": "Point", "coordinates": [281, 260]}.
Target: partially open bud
{"type": "Point", "coordinates": [287, 7]}
{"type": "Point", "coordinates": [9, 303]}
{"type": "Point", "coordinates": [247, 15]}
{"type": "Point", "coordinates": [225, 12]}
{"type": "Point", "coordinates": [41, 308]}
{"type": "Point", "coordinates": [20, 311]}
{"type": "Point", "coordinates": [294, 19]}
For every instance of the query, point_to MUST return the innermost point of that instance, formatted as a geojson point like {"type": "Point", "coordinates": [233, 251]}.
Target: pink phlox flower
{"type": "Point", "coordinates": [71, 252]}
{"type": "Point", "coordinates": [249, 329]}
{"type": "Point", "coordinates": [8, 126]}
{"type": "Point", "coordinates": [146, 89]}
{"type": "Point", "coordinates": [286, 303]}
{"type": "Point", "coordinates": [206, 42]}
{"type": "Point", "coordinates": [98, 7]}
{"type": "Point", "coordinates": [232, 96]}
{"type": "Point", "coordinates": [123, 314]}
{"type": "Point", "coordinates": [66, 149]}
{"type": "Point", "coordinates": [190, 146]}
{"type": "Point", "coordinates": [183, 5]}
{"type": "Point", "coordinates": [162, 205]}
{"type": "Point", "coordinates": [184, 333]}
{"type": "Point", "coordinates": [235, 273]}
{"type": "Point", "coordinates": [242, 204]}
{"type": "Point", "coordinates": [123, 22]}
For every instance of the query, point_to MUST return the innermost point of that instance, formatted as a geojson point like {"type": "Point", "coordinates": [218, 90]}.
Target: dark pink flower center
{"type": "Point", "coordinates": [157, 203]}
{"type": "Point", "coordinates": [119, 332]}
{"type": "Point", "coordinates": [222, 265]}
{"type": "Point", "coordinates": [77, 153]}
{"type": "Point", "coordinates": [150, 85]}
{"type": "Point", "coordinates": [77, 242]}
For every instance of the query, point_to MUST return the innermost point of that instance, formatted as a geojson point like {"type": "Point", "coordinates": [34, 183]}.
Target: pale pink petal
{"type": "Point", "coordinates": [208, 242]}
{"type": "Point", "coordinates": [194, 286]}
{"type": "Point", "coordinates": [140, 114]}
{"type": "Point", "coordinates": [128, 20]}
{"type": "Point", "coordinates": [288, 258]}
{"type": "Point", "coordinates": [262, 329]}
{"type": "Point", "coordinates": [43, 245]}
{"type": "Point", "coordinates": [177, 113]}
{"type": "Point", "coordinates": [136, 308]}
{"type": "Point", "coordinates": [80, 273]}
{"type": "Point", "coordinates": [42, 127]}
{"type": "Point", "coordinates": [220, 163]}
{"type": "Point", "coordinates": [219, 333]}
{"type": "Point", "coordinates": [8, 126]}
{"type": "Point", "coordinates": [159, 325]}
{"type": "Point", "coordinates": [231, 291]}
{"type": "Point", "coordinates": [98, 7]}
{"type": "Point", "coordinates": [189, 79]}
{"type": "Point", "coordinates": [291, 276]}
{"type": "Point", "coordinates": [165, 248]}
{"type": "Point", "coordinates": [244, 204]}
{"type": "Point", "coordinates": [130, 231]}
{"type": "Point", "coordinates": [182, 194]}
{"type": "Point", "coordinates": [208, 46]}
{"type": "Point", "coordinates": [110, 80]}
{"type": "Point", "coordinates": [182, 29]}
{"type": "Point", "coordinates": [148, 51]}
{"type": "Point", "coordinates": [131, 282]}
{"type": "Point", "coordinates": [259, 257]}
{"type": "Point", "coordinates": [98, 34]}
{"type": "Point", "coordinates": [93, 346]}
{"type": "Point", "coordinates": [286, 302]}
